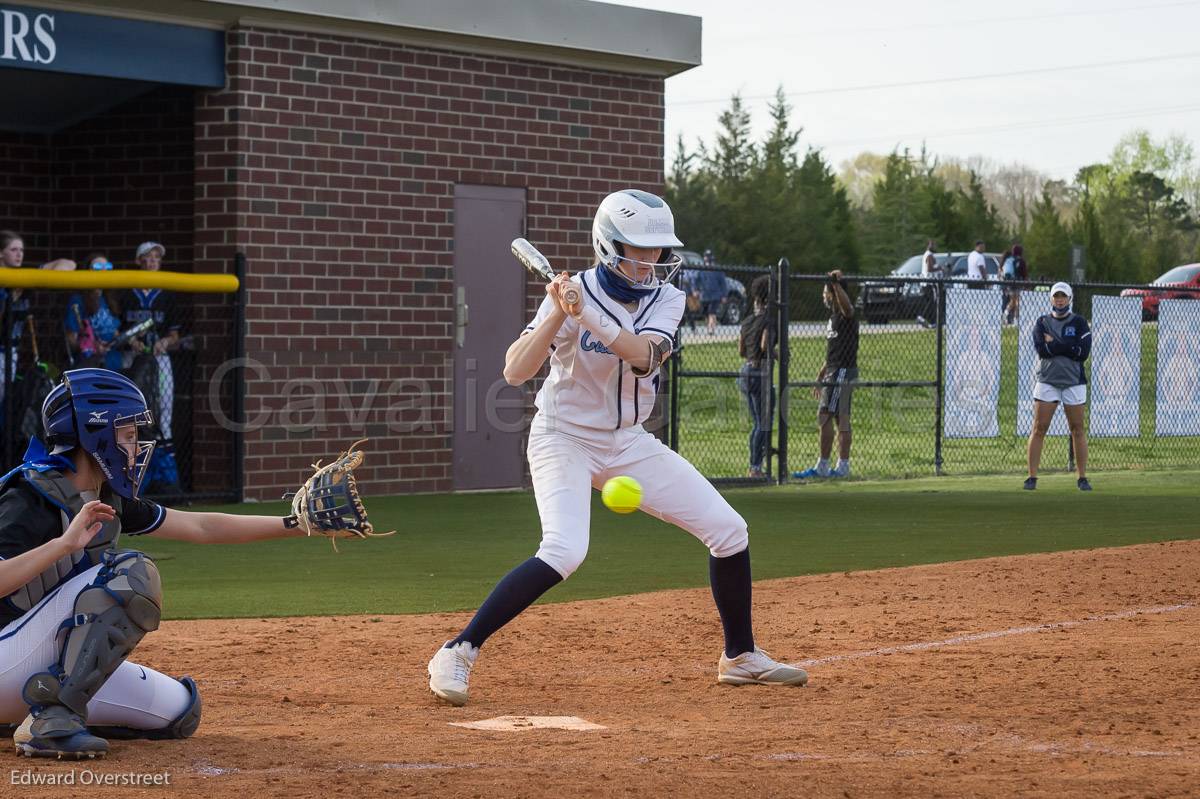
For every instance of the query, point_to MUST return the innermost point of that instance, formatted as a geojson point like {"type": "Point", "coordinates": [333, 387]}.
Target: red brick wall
{"type": "Point", "coordinates": [124, 177]}
{"type": "Point", "coordinates": [332, 163]}
{"type": "Point", "coordinates": [108, 183]}
{"type": "Point", "coordinates": [25, 183]}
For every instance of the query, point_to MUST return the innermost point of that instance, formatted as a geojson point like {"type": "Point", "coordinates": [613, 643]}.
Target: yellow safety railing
{"type": "Point", "coordinates": [117, 279]}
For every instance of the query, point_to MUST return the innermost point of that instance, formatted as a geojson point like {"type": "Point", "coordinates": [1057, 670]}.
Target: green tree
{"type": "Point", "coordinates": [733, 156]}
{"type": "Point", "coordinates": [1088, 230]}
{"type": "Point", "coordinates": [1162, 221]}
{"type": "Point", "coordinates": [948, 229]}
{"type": "Point", "coordinates": [1047, 242]}
{"type": "Point", "coordinates": [754, 203]}
{"type": "Point", "coordinates": [769, 220]}
{"type": "Point", "coordinates": [897, 224]}
{"type": "Point", "coordinates": [1134, 218]}
{"type": "Point", "coordinates": [980, 218]}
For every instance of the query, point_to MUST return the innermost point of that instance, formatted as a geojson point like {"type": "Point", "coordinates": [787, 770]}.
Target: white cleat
{"type": "Point", "coordinates": [24, 733]}
{"type": "Point", "coordinates": [450, 672]}
{"type": "Point", "coordinates": [757, 668]}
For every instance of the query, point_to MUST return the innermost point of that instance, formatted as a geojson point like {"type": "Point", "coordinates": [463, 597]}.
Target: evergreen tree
{"type": "Point", "coordinates": [1101, 265]}
{"type": "Point", "coordinates": [1047, 242]}
{"type": "Point", "coordinates": [896, 225]}
{"type": "Point", "coordinates": [755, 203]}
{"type": "Point", "coordinates": [947, 226]}
{"type": "Point", "coordinates": [980, 218]}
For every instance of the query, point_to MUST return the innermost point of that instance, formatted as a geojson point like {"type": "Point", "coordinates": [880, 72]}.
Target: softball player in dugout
{"type": "Point", "coordinates": [605, 352]}
{"type": "Point", "coordinates": [72, 606]}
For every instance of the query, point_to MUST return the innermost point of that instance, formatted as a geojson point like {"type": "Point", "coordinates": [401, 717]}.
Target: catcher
{"type": "Point", "coordinates": [74, 606]}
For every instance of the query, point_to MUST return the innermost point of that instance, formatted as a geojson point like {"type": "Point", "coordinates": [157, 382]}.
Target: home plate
{"type": "Point", "coordinates": [518, 723]}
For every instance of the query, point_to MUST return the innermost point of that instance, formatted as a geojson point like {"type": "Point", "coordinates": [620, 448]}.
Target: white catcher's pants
{"type": "Point", "coordinates": [567, 462]}
{"type": "Point", "coordinates": [134, 696]}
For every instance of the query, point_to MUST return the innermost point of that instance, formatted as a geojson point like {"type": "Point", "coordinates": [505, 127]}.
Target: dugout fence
{"type": "Point", "coordinates": [177, 336]}
{"type": "Point", "coordinates": [944, 378]}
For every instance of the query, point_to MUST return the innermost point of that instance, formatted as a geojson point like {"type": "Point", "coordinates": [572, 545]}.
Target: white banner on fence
{"type": "Point", "coordinates": [972, 363]}
{"type": "Point", "coordinates": [1177, 411]}
{"type": "Point", "coordinates": [1033, 305]}
{"type": "Point", "coordinates": [1116, 367]}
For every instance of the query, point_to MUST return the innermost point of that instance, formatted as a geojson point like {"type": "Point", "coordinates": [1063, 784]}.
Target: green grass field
{"type": "Point", "coordinates": [894, 427]}
{"type": "Point", "coordinates": [452, 548]}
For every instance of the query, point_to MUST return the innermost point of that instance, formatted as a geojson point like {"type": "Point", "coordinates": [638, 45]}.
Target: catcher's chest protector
{"type": "Point", "coordinates": [61, 492]}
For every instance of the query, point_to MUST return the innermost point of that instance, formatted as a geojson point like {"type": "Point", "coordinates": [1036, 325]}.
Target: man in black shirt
{"type": "Point", "coordinates": [837, 375]}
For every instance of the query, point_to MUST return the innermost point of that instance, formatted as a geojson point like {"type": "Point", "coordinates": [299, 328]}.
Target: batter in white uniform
{"type": "Point", "coordinates": [605, 353]}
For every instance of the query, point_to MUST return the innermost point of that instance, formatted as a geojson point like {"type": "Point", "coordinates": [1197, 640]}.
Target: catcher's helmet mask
{"type": "Point", "coordinates": [638, 219]}
{"type": "Point", "coordinates": [86, 410]}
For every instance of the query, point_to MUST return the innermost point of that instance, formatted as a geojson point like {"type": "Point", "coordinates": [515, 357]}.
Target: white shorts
{"type": "Point", "coordinates": [1072, 395]}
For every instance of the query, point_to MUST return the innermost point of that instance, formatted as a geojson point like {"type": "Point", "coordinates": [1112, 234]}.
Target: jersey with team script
{"type": "Point", "coordinates": [588, 385]}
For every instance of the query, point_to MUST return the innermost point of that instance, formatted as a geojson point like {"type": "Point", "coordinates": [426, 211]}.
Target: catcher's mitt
{"type": "Point", "coordinates": [329, 504]}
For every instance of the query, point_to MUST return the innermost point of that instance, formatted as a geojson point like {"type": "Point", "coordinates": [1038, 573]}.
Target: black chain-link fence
{"type": "Point", "coordinates": [711, 420]}
{"type": "Point", "coordinates": [944, 379]}
{"type": "Point", "coordinates": [172, 344]}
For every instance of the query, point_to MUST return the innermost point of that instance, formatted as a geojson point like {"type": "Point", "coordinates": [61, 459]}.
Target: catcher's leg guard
{"type": "Point", "coordinates": [112, 615]}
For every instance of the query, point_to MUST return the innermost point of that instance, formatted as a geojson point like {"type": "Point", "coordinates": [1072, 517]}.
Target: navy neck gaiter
{"type": "Point", "coordinates": [616, 287]}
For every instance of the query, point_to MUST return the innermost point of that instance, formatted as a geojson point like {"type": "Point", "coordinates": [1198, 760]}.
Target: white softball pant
{"type": "Point", "coordinates": [567, 462]}
{"type": "Point", "coordinates": [134, 696]}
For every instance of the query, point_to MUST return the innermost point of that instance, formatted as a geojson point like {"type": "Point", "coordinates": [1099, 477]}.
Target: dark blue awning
{"type": "Point", "coordinates": [48, 40]}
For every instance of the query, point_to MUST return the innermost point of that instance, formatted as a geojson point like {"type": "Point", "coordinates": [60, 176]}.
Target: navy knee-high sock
{"type": "Point", "coordinates": [730, 579]}
{"type": "Point", "coordinates": [518, 589]}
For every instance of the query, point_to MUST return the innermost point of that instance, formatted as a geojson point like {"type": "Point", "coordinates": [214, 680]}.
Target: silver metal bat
{"type": "Point", "coordinates": [536, 263]}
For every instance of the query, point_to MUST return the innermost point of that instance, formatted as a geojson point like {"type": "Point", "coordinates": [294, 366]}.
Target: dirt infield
{"type": "Point", "coordinates": [1070, 674]}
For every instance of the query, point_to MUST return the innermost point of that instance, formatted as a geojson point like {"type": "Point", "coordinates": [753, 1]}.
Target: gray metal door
{"type": "Point", "coordinates": [489, 295]}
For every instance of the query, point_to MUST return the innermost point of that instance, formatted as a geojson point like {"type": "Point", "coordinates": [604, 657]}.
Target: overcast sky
{"type": "Point", "coordinates": [1055, 119]}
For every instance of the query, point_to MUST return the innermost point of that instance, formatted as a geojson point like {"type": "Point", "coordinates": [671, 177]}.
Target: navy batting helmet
{"type": "Point", "coordinates": [85, 410]}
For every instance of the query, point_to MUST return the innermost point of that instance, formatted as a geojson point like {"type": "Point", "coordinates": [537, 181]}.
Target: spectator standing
{"type": "Point", "coordinates": [91, 324]}
{"type": "Point", "coordinates": [977, 265]}
{"type": "Point", "coordinates": [154, 366]}
{"type": "Point", "coordinates": [18, 303]}
{"type": "Point", "coordinates": [930, 270]}
{"type": "Point", "coordinates": [712, 290]}
{"type": "Point", "coordinates": [929, 262]}
{"type": "Point", "coordinates": [689, 283]}
{"type": "Point", "coordinates": [1063, 341]}
{"type": "Point", "coordinates": [756, 342]}
{"type": "Point", "coordinates": [838, 374]}
{"type": "Point", "coordinates": [1014, 269]}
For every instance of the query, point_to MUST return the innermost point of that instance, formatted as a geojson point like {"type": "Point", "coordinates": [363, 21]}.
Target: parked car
{"type": "Point", "coordinates": [881, 301]}
{"type": "Point", "coordinates": [991, 260]}
{"type": "Point", "coordinates": [1171, 281]}
{"type": "Point", "coordinates": [733, 304]}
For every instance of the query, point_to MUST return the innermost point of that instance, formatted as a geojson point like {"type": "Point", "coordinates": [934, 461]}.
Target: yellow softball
{"type": "Point", "coordinates": [622, 494]}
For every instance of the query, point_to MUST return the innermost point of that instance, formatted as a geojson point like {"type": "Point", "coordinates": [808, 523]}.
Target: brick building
{"type": "Point", "coordinates": [372, 166]}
